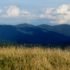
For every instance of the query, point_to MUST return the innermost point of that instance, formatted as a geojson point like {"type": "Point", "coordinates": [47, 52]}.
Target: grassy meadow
{"type": "Point", "coordinates": [15, 58]}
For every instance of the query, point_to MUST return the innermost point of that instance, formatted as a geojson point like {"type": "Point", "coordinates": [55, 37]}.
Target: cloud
{"type": "Point", "coordinates": [64, 9]}
{"type": "Point", "coordinates": [60, 14]}
{"type": "Point", "coordinates": [64, 12]}
{"type": "Point", "coordinates": [15, 14]}
{"type": "Point", "coordinates": [47, 13]}
{"type": "Point", "coordinates": [13, 11]}
{"type": "Point", "coordinates": [25, 13]}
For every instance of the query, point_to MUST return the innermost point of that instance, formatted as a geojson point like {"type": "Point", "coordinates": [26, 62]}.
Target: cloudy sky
{"type": "Point", "coordinates": [29, 11]}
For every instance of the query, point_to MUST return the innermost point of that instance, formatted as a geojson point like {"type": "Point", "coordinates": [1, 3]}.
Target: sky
{"type": "Point", "coordinates": [29, 11]}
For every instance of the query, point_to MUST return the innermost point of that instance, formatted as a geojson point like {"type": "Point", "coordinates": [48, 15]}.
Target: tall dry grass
{"type": "Point", "coordinates": [34, 59]}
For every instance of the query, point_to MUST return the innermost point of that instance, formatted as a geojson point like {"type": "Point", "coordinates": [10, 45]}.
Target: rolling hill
{"type": "Point", "coordinates": [30, 34]}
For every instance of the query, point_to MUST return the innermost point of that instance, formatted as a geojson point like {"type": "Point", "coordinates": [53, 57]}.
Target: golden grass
{"type": "Point", "coordinates": [34, 59]}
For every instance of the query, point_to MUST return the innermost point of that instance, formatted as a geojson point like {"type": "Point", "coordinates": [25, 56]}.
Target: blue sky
{"type": "Point", "coordinates": [33, 4]}
{"type": "Point", "coordinates": [30, 8]}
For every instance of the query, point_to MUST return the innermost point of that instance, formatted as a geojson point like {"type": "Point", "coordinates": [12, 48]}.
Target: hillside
{"type": "Point", "coordinates": [30, 34]}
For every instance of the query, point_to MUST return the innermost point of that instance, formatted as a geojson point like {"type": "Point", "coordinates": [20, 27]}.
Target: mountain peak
{"type": "Point", "coordinates": [24, 24]}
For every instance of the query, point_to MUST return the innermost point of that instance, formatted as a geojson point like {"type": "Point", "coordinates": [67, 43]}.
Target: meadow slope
{"type": "Point", "coordinates": [34, 59]}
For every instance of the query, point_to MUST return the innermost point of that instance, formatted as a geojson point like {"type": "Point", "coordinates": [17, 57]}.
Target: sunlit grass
{"type": "Point", "coordinates": [34, 59]}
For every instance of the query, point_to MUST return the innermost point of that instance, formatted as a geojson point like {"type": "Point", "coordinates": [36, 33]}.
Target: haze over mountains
{"type": "Point", "coordinates": [31, 34]}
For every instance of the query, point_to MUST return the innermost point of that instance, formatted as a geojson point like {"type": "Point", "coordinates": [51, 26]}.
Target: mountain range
{"type": "Point", "coordinates": [31, 34]}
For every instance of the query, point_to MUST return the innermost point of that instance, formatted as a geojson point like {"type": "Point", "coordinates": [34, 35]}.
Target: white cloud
{"type": "Point", "coordinates": [25, 13]}
{"type": "Point", "coordinates": [64, 9]}
{"type": "Point", "coordinates": [60, 14]}
{"type": "Point", "coordinates": [47, 13]}
{"type": "Point", "coordinates": [13, 11]}
{"type": "Point", "coordinates": [49, 10]}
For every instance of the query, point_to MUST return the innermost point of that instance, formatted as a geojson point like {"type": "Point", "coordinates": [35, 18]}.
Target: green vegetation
{"type": "Point", "coordinates": [14, 58]}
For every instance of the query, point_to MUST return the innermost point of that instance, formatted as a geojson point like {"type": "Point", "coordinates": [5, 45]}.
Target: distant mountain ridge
{"type": "Point", "coordinates": [31, 34]}
{"type": "Point", "coordinates": [62, 28]}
